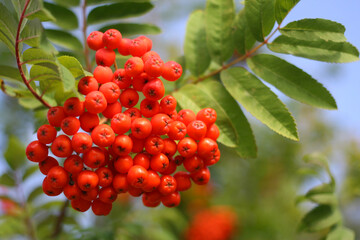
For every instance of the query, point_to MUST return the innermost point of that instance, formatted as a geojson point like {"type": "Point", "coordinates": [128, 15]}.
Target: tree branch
{"type": "Point", "coordinates": [60, 220]}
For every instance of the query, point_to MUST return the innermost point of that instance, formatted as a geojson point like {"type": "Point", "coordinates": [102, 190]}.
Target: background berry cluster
{"type": "Point", "coordinates": [136, 151]}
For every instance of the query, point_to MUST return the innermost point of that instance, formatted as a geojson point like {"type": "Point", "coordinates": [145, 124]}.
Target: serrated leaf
{"type": "Point", "coordinates": [242, 36]}
{"type": "Point", "coordinates": [68, 3]}
{"type": "Point", "coordinates": [15, 152]}
{"type": "Point", "coordinates": [29, 102]}
{"type": "Point", "coordinates": [321, 50]}
{"type": "Point", "coordinates": [64, 17]}
{"type": "Point", "coordinates": [234, 128]}
{"type": "Point", "coordinates": [36, 55]}
{"type": "Point", "coordinates": [282, 8]}
{"type": "Point", "coordinates": [73, 65]}
{"type": "Point", "coordinates": [30, 171]}
{"type": "Point", "coordinates": [117, 11]}
{"type": "Point", "coordinates": [34, 194]}
{"type": "Point", "coordinates": [291, 80]}
{"type": "Point", "coordinates": [314, 29]}
{"type": "Point", "coordinates": [259, 100]}
{"type": "Point", "coordinates": [67, 78]}
{"type": "Point", "coordinates": [319, 159]}
{"type": "Point", "coordinates": [8, 28]}
{"type": "Point", "coordinates": [196, 52]}
{"type": "Point", "coordinates": [10, 73]}
{"type": "Point", "coordinates": [93, 2]}
{"type": "Point", "coordinates": [320, 218]}
{"type": "Point", "coordinates": [36, 9]}
{"type": "Point", "coordinates": [64, 39]}
{"type": "Point", "coordinates": [130, 29]}
{"type": "Point", "coordinates": [7, 180]}
{"type": "Point", "coordinates": [341, 233]}
{"type": "Point", "coordinates": [219, 17]}
{"type": "Point", "coordinates": [260, 16]}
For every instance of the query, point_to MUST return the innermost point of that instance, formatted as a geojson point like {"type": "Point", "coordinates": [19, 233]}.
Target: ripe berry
{"type": "Point", "coordinates": [154, 90]}
{"type": "Point", "coordinates": [95, 41]}
{"type": "Point", "coordinates": [139, 81]}
{"type": "Point", "coordinates": [80, 205]}
{"type": "Point", "coordinates": [121, 79]}
{"type": "Point", "coordinates": [159, 162]}
{"type": "Point", "coordinates": [170, 147]}
{"type": "Point", "coordinates": [105, 57]}
{"type": "Point", "coordinates": [160, 124]}
{"type": "Point", "coordinates": [154, 145]}
{"type": "Point", "coordinates": [213, 132]}
{"type": "Point", "coordinates": [201, 177]}
{"type": "Point", "coordinates": [177, 130]}
{"type": "Point", "coordinates": [74, 107]}
{"type": "Point", "coordinates": [87, 84]}
{"type": "Point", "coordinates": [153, 66]}
{"type": "Point", "coordinates": [81, 142]}
{"type": "Point", "coordinates": [134, 66]}
{"type": "Point", "coordinates": [47, 164]}
{"type": "Point", "coordinates": [187, 147]}
{"type": "Point", "coordinates": [151, 199]}
{"type": "Point", "coordinates": [107, 195]}
{"type": "Point", "coordinates": [95, 102]}
{"type": "Point", "coordinates": [141, 128]}
{"type": "Point", "coordinates": [171, 200]}
{"type": "Point", "coordinates": [207, 115]}
{"type": "Point", "coordinates": [90, 194]}
{"type": "Point", "coordinates": [70, 125]}
{"type": "Point", "coordinates": [105, 176]}
{"type": "Point", "coordinates": [124, 45]}
{"type": "Point", "coordinates": [100, 208]}
{"type": "Point", "coordinates": [138, 47]}
{"type": "Point", "coordinates": [171, 168]}
{"type": "Point", "coordinates": [55, 115]}
{"type": "Point", "coordinates": [167, 185]}
{"type": "Point", "coordinates": [183, 181]}
{"type": "Point", "coordinates": [142, 159]}
{"type": "Point", "coordinates": [103, 135]}
{"type": "Point", "coordinates": [135, 192]}
{"type": "Point", "coordinates": [112, 109]}
{"type": "Point", "coordinates": [129, 98]}
{"type": "Point", "coordinates": [171, 71]}
{"type": "Point", "coordinates": [61, 146]}
{"type": "Point", "coordinates": [46, 134]}
{"type": "Point", "coordinates": [194, 163]}
{"type": "Point", "coordinates": [73, 164]}
{"type": "Point", "coordinates": [87, 180]}
{"type": "Point", "coordinates": [207, 147]}
{"type": "Point", "coordinates": [49, 190]}
{"type": "Point", "coordinates": [133, 113]}
{"type": "Point", "coordinates": [196, 129]}
{"type": "Point", "coordinates": [186, 116]}
{"type": "Point", "coordinates": [149, 55]}
{"type": "Point", "coordinates": [148, 42]}
{"type": "Point", "coordinates": [88, 121]}
{"type": "Point", "coordinates": [122, 145]}
{"type": "Point", "coordinates": [112, 38]}
{"type": "Point", "coordinates": [111, 91]}
{"type": "Point", "coordinates": [137, 176]}
{"type": "Point", "coordinates": [120, 123]}
{"type": "Point", "coordinates": [57, 177]}
{"type": "Point", "coordinates": [120, 183]}
{"type": "Point", "coordinates": [94, 158]}
{"type": "Point", "coordinates": [149, 108]}
{"type": "Point", "coordinates": [103, 74]}
{"type": "Point", "coordinates": [168, 104]}
{"type": "Point", "coordinates": [138, 144]}
{"type": "Point", "coordinates": [122, 164]}
{"type": "Point", "coordinates": [72, 191]}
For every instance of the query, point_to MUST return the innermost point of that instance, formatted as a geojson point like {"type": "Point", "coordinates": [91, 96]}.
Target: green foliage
{"type": "Point", "coordinates": [130, 29]}
{"type": "Point", "coordinates": [15, 153]}
{"type": "Point", "coordinates": [282, 8]}
{"type": "Point", "coordinates": [242, 36]}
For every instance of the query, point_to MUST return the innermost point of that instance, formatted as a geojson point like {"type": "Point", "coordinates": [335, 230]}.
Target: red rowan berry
{"type": "Point", "coordinates": [153, 181]}
{"type": "Point", "coordinates": [138, 144]}
{"type": "Point", "coordinates": [148, 42]}
{"type": "Point", "coordinates": [133, 113]}
{"type": "Point", "coordinates": [112, 38]}
{"type": "Point", "coordinates": [87, 180]}
{"type": "Point", "coordinates": [207, 115]}
{"type": "Point", "coordinates": [193, 163]}
{"type": "Point", "coordinates": [103, 135]}
{"type": "Point", "coordinates": [122, 145]}
{"type": "Point", "coordinates": [183, 181]}
{"type": "Point", "coordinates": [112, 109]}
{"type": "Point", "coordinates": [134, 66]}
{"type": "Point", "coordinates": [212, 132]}
{"type": "Point", "coordinates": [153, 66]}
{"type": "Point", "coordinates": [171, 168]}
{"type": "Point", "coordinates": [167, 185]}
{"type": "Point", "coordinates": [179, 160]}
{"type": "Point", "coordinates": [81, 142]}
{"type": "Point", "coordinates": [171, 200]}
{"type": "Point", "coordinates": [138, 47]}
{"type": "Point", "coordinates": [154, 144]}
{"type": "Point", "coordinates": [154, 90]}
{"type": "Point", "coordinates": [124, 45]}
{"type": "Point", "coordinates": [73, 164]}
{"type": "Point", "coordinates": [73, 107]}
{"type": "Point", "coordinates": [129, 98]}
{"type": "Point", "coordinates": [111, 91]}
{"type": "Point", "coordinates": [46, 134]}
{"type": "Point", "coordinates": [95, 40]}
{"type": "Point", "coordinates": [149, 108]}
{"type": "Point", "coordinates": [122, 164]}
{"type": "Point", "coordinates": [137, 176]}
{"type": "Point", "coordinates": [177, 130]}
{"type": "Point", "coordinates": [149, 204]}
{"type": "Point", "coordinates": [105, 57]}
{"type": "Point", "coordinates": [107, 195]}
{"type": "Point", "coordinates": [58, 177]}
{"type": "Point", "coordinates": [70, 125]}
{"type": "Point", "coordinates": [87, 84]}
{"type": "Point", "coordinates": [159, 162]}
{"type": "Point", "coordinates": [80, 205]}
{"type": "Point", "coordinates": [90, 194]}
{"type": "Point", "coordinates": [105, 176]}
{"type": "Point", "coordinates": [142, 159]}
{"type": "Point", "coordinates": [49, 190]}
{"type": "Point", "coordinates": [120, 183]}
{"type": "Point", "coordinates": [103, 74]}
{"type": "Point", "coordinates": [149, 55]}
{"type": "Point", "coordinates": [95, 102]}
{"type": "Point", "coordinates": [170, 147]}
{"type": "Point", "coordinates": [72, 191]}
{"type": "Point", "coordinates": [196, 129]}
{"type": "Point", "coordinates": [139, 81]}
{"type": "Point", "coordinates": [151, 199]}
{"type": "Point", "coordinates": [213, 158]}
{"type": "Point", "coordinates": [55, 115]}
{"type": "Point", "coordinates": [173, 115]}
{"type": "Point", "coordinates": [171, 71]}
{"type": "Point", "coordinates": [207, 147]}
{"type": "Point", "coordinates": [141, 128]}
{"type": "Point", "coordinates": [168, 104]}
{"type": "Point", "coordinates": [186, 116]}
{"type": "Point", "coordinates": [94, 158]}
{"type": "Point", "coordinates": [120, 123]}
{"type": "Point", "coordinates": [201, 177]}
{"type": "Point", "coordinates": [47, 164]}
{"type": "Point", "coordinates": [100, 208]}
{"type": "Point", "coordinates": [121, 79]}
{"type": "Point", "coordinates": [61, 146]}
{"type": "Point", "coordinates": [160, 124]}
{"type": "Point", "coordinates": [88, 121]}
{"type": "Point", "coordinates": [187, 147]}
{"type": "Point", "coordinates": [135, 192]}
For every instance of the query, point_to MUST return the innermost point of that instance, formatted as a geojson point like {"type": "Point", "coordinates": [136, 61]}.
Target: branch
{"type": "Point", "coordinates": [84, 30]}
{"type": "Point", "coordinates": [239, 59]}
{"type": "Point", "coordinates": [60, 220]}
{"type": "Point", "coordinates": [18, 62]}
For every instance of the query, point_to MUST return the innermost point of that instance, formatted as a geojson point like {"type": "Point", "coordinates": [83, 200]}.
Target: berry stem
{"type": "Point", "coordinates": [60, 220]}
{"type": "Point", "coordinates": [239, 59]}
{"type": "Point", "coordinates": [19, 63]}
{"type": "Point", "coordinates": [84, 31]}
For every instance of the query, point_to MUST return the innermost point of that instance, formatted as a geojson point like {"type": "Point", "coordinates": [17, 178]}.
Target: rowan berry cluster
{"type": "Point", "coordinates": [136, 151]}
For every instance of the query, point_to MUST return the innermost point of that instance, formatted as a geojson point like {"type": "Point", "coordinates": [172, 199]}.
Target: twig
{"type": "Point", "coordinates": [84, 31]}
{"type": "Point", "coordinates": [60, 220]}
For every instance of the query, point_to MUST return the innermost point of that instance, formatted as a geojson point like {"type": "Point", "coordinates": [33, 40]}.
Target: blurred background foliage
{"type": "Point", "coordinates": [246, 199]}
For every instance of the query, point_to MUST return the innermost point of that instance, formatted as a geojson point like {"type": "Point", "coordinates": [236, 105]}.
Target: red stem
{"type": "Point", "coordinates": [19, 65]}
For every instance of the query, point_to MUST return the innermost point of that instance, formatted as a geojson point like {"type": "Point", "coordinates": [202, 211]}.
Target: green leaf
{"type": "Point", "coordinates": [315, 29]}
{"type": "Point", "coordinates": [8, 26]}
{"type": "Point", "coordinates": [242, 36]}
{"type": "Point", "coordinates": [7, 180]}
{"type": "Point", "coordinates": [320, 218]}
{"type": "Point", "coordinates": [34, 194]}
{"type": "Point", "coordinates": [196, 53]}
{"type": "Point", "coordinates": [29, 102]}
{"type": "Point", "coordinates": [68, 3]}
{"type": "Point", "coordinates": [36, 55]}
{"type": "Point", "coordinates": [10, 73]}
{"type": "Point", "coordinates": [341, 233]}
{"type": "Point", "coordinates": [96, 2]}
{"type": "Point", "coordinates": [117, 11]}
{"type": "Point", "coordinates": [64, 17]}
{"type": "Point", "coordinates": [30, 171]}
{"type": "Point", "coordinates": [321, 50]}
{"type": "Point", "coordinates": [260, 16]}
{"type": "Point", "coordinates": [15, 152]}
{"type": "Point", "coordinates": [64, 39]}
{"type": "Point", "coordinates": [67, 79]}
{"type": "Point", "coordinates": [219, 17]}
{"type": "Point", "coordinates": [291, 80]}
{"type": "Point", "coordinates": [73, 65]}
{"type": "Point", "coordinates": [37, 10]}
{"type": "Point", "coordinates": [234, 128]}
{"type": "Point", "coordinates": [324, 199]}
{"type": "Point", "coordinates": [130, 29]}
{"type": "Point", "coordinates": [282, 8]}
{"type": "Point", "coordinates": [260, 101]}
